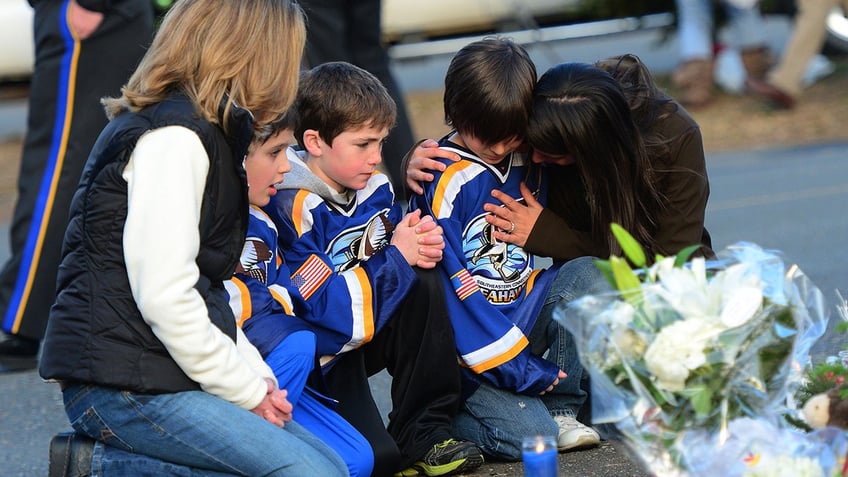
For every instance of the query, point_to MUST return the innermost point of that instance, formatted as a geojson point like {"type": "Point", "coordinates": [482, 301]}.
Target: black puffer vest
{"type": "Point", "coordinates": [95, 333]}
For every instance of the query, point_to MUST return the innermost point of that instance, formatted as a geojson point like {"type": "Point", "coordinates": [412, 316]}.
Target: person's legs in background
{"type": "Point", "coordinates": [695, 45]}
{"type": "Point", "coordinates": [746, 29]}
{"type": "Point", "coordinates": [696, 31]}
{"type": "Point", "coordinates": [65, 118]}
{"type": "Point", "coordinates": [784, 83]}
{"type": "Point", "coordinates": [367, 15]}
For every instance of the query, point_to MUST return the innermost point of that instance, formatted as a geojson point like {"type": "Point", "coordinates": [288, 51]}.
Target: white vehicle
{"type": "Point", "coordinates": [405, 19]}
{"type": "Point", "coordinates": [17, 54]}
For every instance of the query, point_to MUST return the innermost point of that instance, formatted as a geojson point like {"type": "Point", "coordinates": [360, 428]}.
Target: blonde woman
{"type": "Point", "coordinates": [141, 337]}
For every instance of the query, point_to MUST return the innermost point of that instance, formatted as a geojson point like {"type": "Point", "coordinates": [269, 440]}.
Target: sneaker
{"type": "Point", "coordinates": [574, 435]}
{"type": "Point", "coordinates": [446, 458]}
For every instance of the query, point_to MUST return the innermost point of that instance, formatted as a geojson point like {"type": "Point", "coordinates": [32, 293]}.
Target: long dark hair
{"type": "Point", "coordinates": [581, 110]}
{"type": "Point", "coordinates": [648, 103]}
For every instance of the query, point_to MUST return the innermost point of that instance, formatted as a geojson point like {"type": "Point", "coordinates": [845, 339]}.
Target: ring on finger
{"type": "Point", "coordinates": [511, 227]}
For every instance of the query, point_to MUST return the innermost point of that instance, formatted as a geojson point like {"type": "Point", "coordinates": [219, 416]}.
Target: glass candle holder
{"type": "Point", "coordinates": [539, 454]}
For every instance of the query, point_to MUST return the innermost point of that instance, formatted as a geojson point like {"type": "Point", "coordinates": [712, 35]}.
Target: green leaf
{"type": "Point", "coordinates": [631, 248]}
{"type": "Point", "coordinates": [700, 396]}
{"type": "Point", "coordinates": [606, 270]}
{"type": "Point", "coordinates": [684, 255]}
{"type": "Point", "coordinates": [626, 282]}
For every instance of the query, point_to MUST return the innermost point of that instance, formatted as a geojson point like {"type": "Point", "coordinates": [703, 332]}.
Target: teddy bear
{"type": "Point", "coordinates": [827, 409]}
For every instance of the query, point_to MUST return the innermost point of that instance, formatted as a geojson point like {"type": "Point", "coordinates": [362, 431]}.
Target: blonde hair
{"type": "Point", "coordinates": [247, 51]}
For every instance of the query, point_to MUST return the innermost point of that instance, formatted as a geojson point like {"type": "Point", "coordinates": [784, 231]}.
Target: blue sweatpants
{"type": "Point", "coordinates": [292, 360]}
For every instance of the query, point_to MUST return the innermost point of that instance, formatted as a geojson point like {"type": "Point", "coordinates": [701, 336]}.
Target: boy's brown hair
{"type": "Point", "coordinates": [338, 96]}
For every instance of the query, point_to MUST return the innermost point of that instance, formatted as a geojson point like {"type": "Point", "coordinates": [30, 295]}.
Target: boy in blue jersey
{"type": "Point", "coordinates": [263, 307]}
{"type": "Point", "coordinates": [499, 303]}
{"type": "Point", "coordinates": [363, 276]}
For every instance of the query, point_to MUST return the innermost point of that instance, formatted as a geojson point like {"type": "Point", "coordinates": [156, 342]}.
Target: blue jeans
{"type": "Point", "coordinates": [193, 432]}
{"type": "Point", "coordinates": [496, 419]}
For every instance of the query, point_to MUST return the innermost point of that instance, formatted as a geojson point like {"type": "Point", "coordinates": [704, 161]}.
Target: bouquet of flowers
{"type": "Point", "coordinates": [683, 348]}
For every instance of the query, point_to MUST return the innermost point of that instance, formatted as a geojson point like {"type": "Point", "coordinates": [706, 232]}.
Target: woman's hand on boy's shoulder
{"type": "Point", "coordinates": [421, 159]}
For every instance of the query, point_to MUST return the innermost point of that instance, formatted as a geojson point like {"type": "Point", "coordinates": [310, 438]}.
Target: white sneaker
{"type": "Point", "coordinates": [574, 435]}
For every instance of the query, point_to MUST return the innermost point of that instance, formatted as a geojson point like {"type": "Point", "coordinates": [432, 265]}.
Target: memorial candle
{"type": "Point", "coordinates": [540, 456]}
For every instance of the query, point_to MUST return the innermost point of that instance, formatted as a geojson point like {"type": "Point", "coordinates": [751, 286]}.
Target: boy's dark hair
{"type": "Point", "coordinates": [489, 90]}
{"type": "Point", "coordinates": [337, 96]}
{"type": "Point", "coordinates": [287, 120]}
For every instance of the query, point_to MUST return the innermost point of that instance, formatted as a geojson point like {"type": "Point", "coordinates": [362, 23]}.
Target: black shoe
{"type": "Point", "coordinates": [18, 354]}
{"type": "Point", "coordinates": [70, 455]}
{"type": "Point", "coordinates": [446, 458]}
{"type": "Point", "coordinates": [18, 347]}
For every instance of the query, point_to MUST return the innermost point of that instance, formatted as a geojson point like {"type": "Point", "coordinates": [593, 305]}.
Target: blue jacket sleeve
{"type": "Point", "coordinates": [347, 306]}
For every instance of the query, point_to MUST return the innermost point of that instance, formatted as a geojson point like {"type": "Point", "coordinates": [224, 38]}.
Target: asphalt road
{"type": "Point", "coordinates": [787, 199]}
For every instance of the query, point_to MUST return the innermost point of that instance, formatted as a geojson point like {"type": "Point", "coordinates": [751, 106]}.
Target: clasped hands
{"type": "Point", "coordinates": [419, 240]}
{"type": "Point", "coordinates": [274, 408]}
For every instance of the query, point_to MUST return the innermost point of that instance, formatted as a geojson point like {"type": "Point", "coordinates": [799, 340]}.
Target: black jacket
{"type": "Point", "coordinates": [95, 332]}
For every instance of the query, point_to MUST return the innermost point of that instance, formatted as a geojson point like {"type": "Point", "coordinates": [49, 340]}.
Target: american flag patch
{"type": "Point", "coordinates": [464, 284]}
{"type": "Point", "coordinates": [309, 277]}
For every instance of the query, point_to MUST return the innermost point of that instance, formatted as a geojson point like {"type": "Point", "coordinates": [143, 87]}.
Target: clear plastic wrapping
{"type": "Point", "coordinates": [700, 358]}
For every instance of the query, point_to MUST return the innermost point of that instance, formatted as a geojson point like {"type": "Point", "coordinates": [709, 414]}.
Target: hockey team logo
{"type": "Point", "coordinates": [356, 245]}
{"type": "Point", "coordinates": [255, 259]}
{"type": "Point", "coordinates": [500, 269]}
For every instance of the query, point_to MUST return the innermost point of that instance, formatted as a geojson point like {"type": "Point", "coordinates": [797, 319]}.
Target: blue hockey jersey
{"type": "Point", "coordinates": [347, 277]}
{"type": "Point", "coordinates": [497, 292]}
{"type": "Point", "coordinates": [259, 289]}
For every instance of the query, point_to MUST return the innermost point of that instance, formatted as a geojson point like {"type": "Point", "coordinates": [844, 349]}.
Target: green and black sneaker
{"type": "Point", "coordinates": [446, 458]}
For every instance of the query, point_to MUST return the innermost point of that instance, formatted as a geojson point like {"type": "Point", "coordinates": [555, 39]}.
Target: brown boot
{"type": "Point", "coordinates": [695, 79]}
{"type": "Point", "coordinates": [757, 61]}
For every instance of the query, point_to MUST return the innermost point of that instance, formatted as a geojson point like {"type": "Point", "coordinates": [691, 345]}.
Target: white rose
{"type": "Point", "coordinates": [677, 350]}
